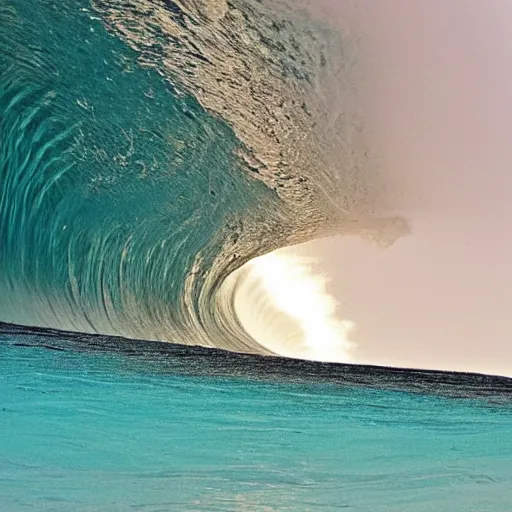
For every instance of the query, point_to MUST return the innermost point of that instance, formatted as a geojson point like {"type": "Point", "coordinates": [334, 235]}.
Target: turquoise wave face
{"type": "Point", "coordinates": [121, 197]}
{"type": "Point", "coordinates": [92, 424]}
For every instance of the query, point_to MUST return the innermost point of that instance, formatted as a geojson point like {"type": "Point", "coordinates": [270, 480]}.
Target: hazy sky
{"type": "Point", "coordinates": [438, 102]}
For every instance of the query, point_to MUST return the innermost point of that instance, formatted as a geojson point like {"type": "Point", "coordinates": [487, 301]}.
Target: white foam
{"type": "Point", "coordinates": [283, 303]}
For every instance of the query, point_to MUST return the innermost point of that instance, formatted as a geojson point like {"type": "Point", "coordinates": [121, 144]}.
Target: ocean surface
{"type": "Point", "coordinates": [105, 424]}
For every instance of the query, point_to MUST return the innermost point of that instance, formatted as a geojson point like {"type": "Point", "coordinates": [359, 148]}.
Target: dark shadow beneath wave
{"type": "Point", "coordinates": [161, 358]}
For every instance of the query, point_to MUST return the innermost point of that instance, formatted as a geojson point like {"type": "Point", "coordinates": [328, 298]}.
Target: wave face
{"type": "Point", "coordinates": [150, 149]}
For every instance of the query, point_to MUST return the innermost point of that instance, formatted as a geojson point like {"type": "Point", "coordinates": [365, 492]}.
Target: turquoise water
{"type": "Point", "coordinates": [122, 198]}
{"type": "Point", "coordinates": [102, 425]}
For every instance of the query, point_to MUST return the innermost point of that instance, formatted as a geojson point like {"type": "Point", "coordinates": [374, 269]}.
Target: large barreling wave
{"type": "Point", "coordinates": [150, 149]}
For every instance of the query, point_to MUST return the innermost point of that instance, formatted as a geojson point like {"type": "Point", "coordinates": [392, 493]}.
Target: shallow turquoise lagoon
{"type": "Point", "coordinates": [98, 424]}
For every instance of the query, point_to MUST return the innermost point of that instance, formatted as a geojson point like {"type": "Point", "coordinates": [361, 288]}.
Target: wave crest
{"type": "Point", "coordinates": [148, 152]}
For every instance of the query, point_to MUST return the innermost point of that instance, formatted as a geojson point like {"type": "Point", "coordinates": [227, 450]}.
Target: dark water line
{"type": "Point", "coordinates": [162, 358]}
